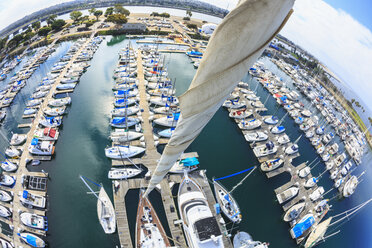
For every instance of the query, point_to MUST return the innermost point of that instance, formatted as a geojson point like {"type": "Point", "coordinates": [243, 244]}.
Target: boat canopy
{"type": "Point", "coordinates": [34, 141]}
{"type": "Point", "coordinates": [31, 240]}
{"type": "Point", "coordinates": [190, 161]}
{"type": "Point", "coordinates": [25, 194]}
{"type": "Point", "coordinates": [301, 227]}
{"type": "Point", "coordinates": [119, 120]}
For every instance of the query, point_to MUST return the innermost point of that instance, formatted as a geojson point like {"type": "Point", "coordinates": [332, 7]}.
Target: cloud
{"type": "Point", "coordinates": [336, 39]}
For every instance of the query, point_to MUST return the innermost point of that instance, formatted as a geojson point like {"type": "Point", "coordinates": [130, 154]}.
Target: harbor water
{"type": "Point", "coordinates": [221, 146]}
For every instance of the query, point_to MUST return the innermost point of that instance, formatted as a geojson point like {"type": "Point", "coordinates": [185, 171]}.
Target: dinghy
{"type": "Point", "coordinates": [227, 203]}
{"type": "Point", "coordinates": [271, 164]}
{"type": "Point", "coordinates": [7, 181]}
{"type": "Point", "coordinates": [294, 212]}
{"type": "Point", "coordinates": [255, 136]}
{"type": "Point", "coordinates": [31, 200]}
{"type": "Point", "coordinates": [149, 230]}
{"type": "Point", "coordinates": [5, 212]}
{"type": "Point", "coordinates": [123, 173]}
{"type": "Point", "coordinates": [32, 240]}
{"type": "Point", "coordinates": [9, 166]}
{"type": "Point", "coordinates": [5, 196]}
{"type": "Point", "coordinates": [122, 152]}
{"type": "Point", "coordinates": [17, 139]}
{"type": "Point", "coordinates": [34, 221]}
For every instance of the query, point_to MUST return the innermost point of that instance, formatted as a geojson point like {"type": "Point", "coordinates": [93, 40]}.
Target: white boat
{"type": "Point", "coordinates": [338, 182]}
{"type": "Point", "coordinates": [167, 121]}
{"type": "Point", "coordinates": [123, 102]}
{"type": "Point", "coordinates": [12, 152]}
{"type": "Point", "coordinates": [333, 149]}
{"type": "Point", "coordinates": [272, 120]}
{"type": "Point", "coordinates": [149, 230]}
{"type": "Point", "coordinates": [17, 139]}
{"type": "Point", "coordinates": [122, 152]}
{"type": "Point", "coordinates": [320, 148]}
{"type": "Point", "coordinates": [53, 121]}
{"type": "Point", "coordinates": [284, 139]}
{"type": "Point", "coordinates": [34, 102]}
{"type": "Point", "coordinates": [126, 93]}
{"type": "Point", "coordinates": [39, 94]}
{"type": "Point", "coordinates": [6, 244]}
{"type": "Point", "coordinates": [287, 194]}
{"type": "Point", "coordinates": [244, 240]}
{"type": "Point", "coordinates": [311, 182]}
{"type": "Point", "coordinates": [320, 130]}
{"type": "Point", "coordinates": [166, 133]}
{"type": "Point", "coordinates": [6, 180]}
{"type": "Point", "coordinates": [255, 136]}
{"type": "Point", "coordinates": [32, 240]}
{"type": "Point", "coordinates": [334, 174]}
{"type": "Point", "coordinates": [31, 200]}
{"type": "Point", "coordinates": [29, 111]}
{"type": "Point", "coordinates": [277, 129]}
{"type": "Point", "coordinates": [165, 110]}
{"type": "Point", "coordinates": [66, 86]}
{"type": "Point", "coordinates": [5, 212]}
{"type": "Point", "coordinates": [41, 148]}
{"type": "Point", "coordinates": [164, 101]}
{"type": "Point", "coordinates": [233, 104]}
{"type": "Point", "coordinates": [121, 112]}
{"type": "Point", "coordinates": [309, 134]}
{"type": "Point", "coordinates": [54, 111]}
{"type": "Point", "coordinates": [47, 133]}
{"type": "Point", "coordinates": [294, 212]}
{"type": "Point", "coordinates": [350, 186]}
{"type": "Point", "coordinates": [306, 113]}
{"type": "Point", "coordinates": [326, 156]}
{"type": "Point", "coordinates": [304, 172]}
{"type": "Point", "coordinates": [34, 221]}
{"type": "Point", "coordinates": [271, 164]}
{"type": "Point", "coordinates": [291, 149]}
{"type": "Point", "coordinates": [5, 196]}
{"type": "Point", "coordinates": [182, 165]}
{"type": "Point", "coordinates": [249, 124]}
{"type": "Point", "coordinates": [317, 194]}
{"type": "Point", "coordinates": [106, 212]}
{"type": "Point", "coordinates": [199, 223]}
{"type": "Point", "coordinates": [265, 149]}
{"type": "Point", "coordinates": [9, 166]}
{"type": "Point", "coordinates": [240, 114]}
{"type": "Point", "coordinates": [60, 102]}
{"type": "Point", "coordinates": [328, 138]}
{"type": "Point", "coordinates": [124, 122]}
{"type": "Point", "coordinates": [227, 203]}
{"type": "Point", "coordinates": [121, 135]}
{"type": "Point", "coordinates": [123, 173]}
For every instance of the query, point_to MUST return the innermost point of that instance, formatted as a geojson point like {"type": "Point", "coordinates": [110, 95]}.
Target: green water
{"type": "Point", "coordinates": [72, 213]}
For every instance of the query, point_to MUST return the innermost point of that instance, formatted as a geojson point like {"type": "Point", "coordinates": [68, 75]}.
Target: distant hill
{"type": "Point", "coordinates": [62, 8]}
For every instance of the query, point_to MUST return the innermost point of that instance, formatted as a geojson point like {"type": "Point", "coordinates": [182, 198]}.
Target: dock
{"type": "Point", "coordinates": [150, 160]}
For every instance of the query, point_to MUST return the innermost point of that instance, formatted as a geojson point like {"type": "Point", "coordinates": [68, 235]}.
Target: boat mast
{"type": "Point", "coordinates": [240, 183]}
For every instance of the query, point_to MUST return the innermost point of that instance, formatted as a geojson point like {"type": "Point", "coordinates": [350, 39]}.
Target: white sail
{"type": "Point", "coordinates": [233, 48]}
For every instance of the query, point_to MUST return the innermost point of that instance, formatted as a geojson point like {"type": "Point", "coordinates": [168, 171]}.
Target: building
{"type": "Point", "coordinates": [134, 27]}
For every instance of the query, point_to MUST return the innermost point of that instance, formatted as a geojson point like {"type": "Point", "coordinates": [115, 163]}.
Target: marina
{"type": "Point", "coordinates": [123, 113]}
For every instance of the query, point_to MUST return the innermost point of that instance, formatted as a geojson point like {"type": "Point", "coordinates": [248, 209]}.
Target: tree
{"type": "Point", "coordinates": [91, 11]}
{"type": "Point", "coordinates": [28, 36]}
{"type": "Point", "coordinates": [89, 23]}
{"type": "Point", "coordinates": [84, 18]}
{"type": "Point", "coordinates": [98, 13]}
{"type": "Point", "coordinates": [36, 25]}
{"type": "Point", "coordinates": [16, 39]}
{"type": "Point", "coordinates": [154, 14]}
{"type": "Point", "coordinates": [186, 18]}
{"type": "Point", "coordinates": [44, 31]}
{"type": "Point", "coordinates": [117, 19]}
{"type": "Point", "coordinates": [165, 15]}
{"type": "Point", "coordinates": [192, 26]}
{"type": "Point", "coordinates": [109, 11]}
{"type": "Point", "coordinates": [51, 19]}
{"type": "Point", "coordinates": [188, 12]}
{"type": "Point", "coordinates": [58, 24]}
{"type": "Point", "coordinates": [352, 100]}
{"type": "Point", "coordinates": [3, 42]}
{"type": "Point", "coordinates": [75, 15]}
{"type": "Point", "coordinates": [119, 9]}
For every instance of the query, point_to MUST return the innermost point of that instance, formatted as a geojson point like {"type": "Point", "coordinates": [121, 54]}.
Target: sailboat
{"type": "Point", "coordinates": [105, 209]}
{"type": "Point", "coordinates": [149, 230]}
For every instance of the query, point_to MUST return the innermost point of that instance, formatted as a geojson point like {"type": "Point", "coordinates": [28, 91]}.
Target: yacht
{"type": "Point", "coordinates": [294, 212]}
{"type": "Point", "coordinates": [227, 203]}
{"type": "Point", "coordinates": [255, 136]}
{"type": "Point", "coordinates": [249, 124]}
{"type": "Point", "coordinates": [287, 194]}
{"type": "Point", "coordinates": [106, 212]}
{"type": "Point", "coordinates": [272, 120]}
{"type": "Point", "coordinates": [9, 166]}
{"type": "Point", "coordinates": [32, 240]}
{"type": "Point", "coordinates": [317, 194]}
{"type": "Point", "coordinates": [123, 173]}
{"type": "Point", "coordinates": [240, 114]}
{"type": "Point", "coordinates": [265, 149]}
{"type": "Point", "coordinates": [121, 112]}
{"type": "Point", "coordinates": [48, 134]}
{"type": "Point", "coordinates": [121, 135]}
{"type": "Point", "coordinates": [60, 102]}
{"type": "Point", "coordinates": [302, 226]}
{"type": "Point", "coordinates": [284, 139]}
{"type": "Point", "coordinates": [121, 152]}
{"type": "Point", "coordinates": [7, 181]}
{"type": "Point", "coordinates": [5, 196]}
{"type": "Point", "coordinates": [123, 122]}
{"type": "Point", "coordinates": [291, 149]}
{"type": "Point", "coordinates": [271, 164]}
{"type": "Point", "coordinates": [34, 221]}
{"type": "Point", "coordinates": [199, 223]}
{"type": "Point", "coordinates": [277, 129]}
{"type": "Point", "coordinates": [31, 200]}
{"type": "Point", "coordinates": [17, 139]}
{"type": "Point", "coordinates": [5, 212]}
{"type": "Point", "coordinates": [350, 186]}
{"type": "Point", "coordinates": [41, 148]}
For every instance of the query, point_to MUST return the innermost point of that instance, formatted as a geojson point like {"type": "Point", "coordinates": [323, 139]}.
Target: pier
{"type": "Point", "coordinates": [34, 182]}
{"type": "Point", "coordinates": [150, 160]}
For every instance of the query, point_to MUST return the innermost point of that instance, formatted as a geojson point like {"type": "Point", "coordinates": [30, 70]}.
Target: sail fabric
{"type": "Point", "coordinates": [233, 48]}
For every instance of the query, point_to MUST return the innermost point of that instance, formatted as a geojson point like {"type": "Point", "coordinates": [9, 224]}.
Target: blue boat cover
{"type": "Point", "coordinates": [118, 120]}
{"type": "Point", "coordinates": [301, 227]}
{"type": "Point", "coordinates": [176, 116]}
{"type": "Point", "coordinates": [31, 240]}
{"type": "Point", "coordinates": [190, 161]}
{"type": "Point", "coordinates": [34, 141]}
{"type": "Point", "coordinates": [280, 128]}
{"type": "Point", "coordinates": [25, 194]}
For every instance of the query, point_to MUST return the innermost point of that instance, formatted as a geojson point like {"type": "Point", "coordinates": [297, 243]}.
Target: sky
{"type": "Point", "coordinates": [337, 32]}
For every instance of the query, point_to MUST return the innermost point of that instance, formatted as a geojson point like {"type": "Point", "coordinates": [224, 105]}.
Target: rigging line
{"type": "Point", "coordinates": [234, 174]}
{"type": "Point", "coordinates": [241, 182]}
